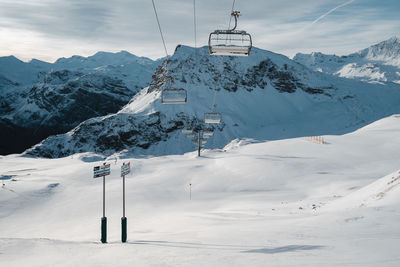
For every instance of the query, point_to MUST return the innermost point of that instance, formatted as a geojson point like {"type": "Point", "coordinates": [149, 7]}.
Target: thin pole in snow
{"type": "Point", "coordinates": [198, 144]}
{"type": "Point", "coordinates": [124, 170]}
{"type": "Point", "coordinates": [98, 172]}
{"type": "Point", "coordinates": [123, 196]}
{"type": "Point", "coordinates": [104, 219]}
{"type": "Point", "coordinates": [104, 196]}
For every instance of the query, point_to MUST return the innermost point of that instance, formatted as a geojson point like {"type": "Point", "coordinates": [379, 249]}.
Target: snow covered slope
{"type": "Point", "coordinates": [279, 203]}
{"type": "Point", "coordinates": [38, 99]}
{"type": "Point", "coordinates": [379, 63]}
{"type": "Point", "coordinates": [19, 72]}
{"type": "Point", "coordinates": [264, 96]}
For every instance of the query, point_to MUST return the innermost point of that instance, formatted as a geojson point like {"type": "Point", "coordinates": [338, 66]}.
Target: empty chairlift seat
{"type": "Point", "coordinates": [174, 96]}
{"type": "Point", "coordinates": [187, 131]}
{"type": "Point", "coordinates": [207, 134]}
{"type": "Point", "coordinates": [212, 117]}
{"type": "Point", "coordinates": [230, 42]}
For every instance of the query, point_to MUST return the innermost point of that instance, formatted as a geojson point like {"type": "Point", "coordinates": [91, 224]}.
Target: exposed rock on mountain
{"type": "Point", "coordinates": [39, 99]}
{"type": "Point", "coordinates": [263, 96]}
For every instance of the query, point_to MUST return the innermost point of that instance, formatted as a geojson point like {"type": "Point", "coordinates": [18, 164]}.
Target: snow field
{"type": "Point", "coordinates": [274, 203]}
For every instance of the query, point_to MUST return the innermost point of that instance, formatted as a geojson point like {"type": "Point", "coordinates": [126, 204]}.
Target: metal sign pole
{"type": "Point", "coordinates": [104, 218]}
{"type": "Point", "coordinates": [125, 169]}
{"type": "Point", "coordinates": [123, 219]}
{"type": "Point", "coordinates": [123, 196]}
{"type": "Point", "coordinates": [104, 196]}
{"type": "Point", "coordinates": [103, 171]}
{"type": "Point", "coordinates": [190, 191]}
{"type": "Point", "coordinates": [198, 145]}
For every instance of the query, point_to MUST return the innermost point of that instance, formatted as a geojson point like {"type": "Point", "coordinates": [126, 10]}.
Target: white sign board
{"type": "Point", "coordinates": [125, 169]}
{"type": "Point", "coordinates": [100, 171]}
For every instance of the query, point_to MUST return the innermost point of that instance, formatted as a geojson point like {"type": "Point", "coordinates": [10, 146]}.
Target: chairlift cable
{"type": "Point", "coordinates": [230, 19]}
{"type": "Point", "coordinates": [195, 38]}
{"type": "Point", "coordinates": [169, 95]}
{"type": "Point", "coordinates": [219, 72]}
{"type": "Point", "coordinates": [194, 24]}
{"type": "Point", "coordinates": [195, 34]}
{"type": "Point", "coordinates": [159, 27]}
{"type": "Point", "coordinates": [221, 62]}
{"type": "Point", "coordinates": [162, 38]}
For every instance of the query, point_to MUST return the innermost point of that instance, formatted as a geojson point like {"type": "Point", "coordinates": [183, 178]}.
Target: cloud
{"type": "Point", "coordinates": [49, 29]}
{"type": "Point", "coordinates": [62, 19]}
{"type": "Point", "coordinates": [332, 10]}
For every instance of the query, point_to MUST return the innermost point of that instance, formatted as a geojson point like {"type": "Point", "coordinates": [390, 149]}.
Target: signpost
{"type": "Point", "coordinates": [103, 171]}
{"type": "Point", "coordinates": [125, 170]}
{"type": "Point", "coordinates": [198, 144]}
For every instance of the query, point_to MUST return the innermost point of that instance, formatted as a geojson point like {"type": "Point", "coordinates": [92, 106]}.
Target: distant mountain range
{"type": "Point", "coordinates": [379, 63]}
{"type": "Point", "coordinates": [39, 99]}
{"type": "Point", "coordinates": [264, 96]}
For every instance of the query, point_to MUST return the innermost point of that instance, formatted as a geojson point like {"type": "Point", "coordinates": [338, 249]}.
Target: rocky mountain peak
{"type": "Point", "coordinates": [379, 63]}
{"type": "Point", "coordinates": [263, 96]}
{"type": "Point", "coordinates": [39, 99]}
{"type": "Point", "coordinates": [387, 51]}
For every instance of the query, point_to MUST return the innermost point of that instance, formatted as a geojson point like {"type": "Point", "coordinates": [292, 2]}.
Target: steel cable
{"type": "Point", "coordinates": [159, 27]}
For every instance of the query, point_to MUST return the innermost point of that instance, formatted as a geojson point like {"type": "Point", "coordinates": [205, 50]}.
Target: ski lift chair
{"type": "Point", "coordinates": [212, 117]}
{"type": "Point", "coordinates": [171, 95]}
{"type": "Point", "coordinates": [207, 134]}
{"type": "Point", "coordinates": [230, 42]}
{"type": "Point", "coordinates": [187, 131]}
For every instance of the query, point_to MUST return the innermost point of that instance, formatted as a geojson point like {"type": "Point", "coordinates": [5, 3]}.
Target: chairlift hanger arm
{"type": "Point", "coordinates": [235, 14]}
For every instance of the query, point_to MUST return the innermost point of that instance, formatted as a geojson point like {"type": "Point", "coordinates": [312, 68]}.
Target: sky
{"type": "Point", "coordinates": [50, 29]}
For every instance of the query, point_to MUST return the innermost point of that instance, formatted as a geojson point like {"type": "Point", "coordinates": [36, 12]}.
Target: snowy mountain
{"type": "Point", "coordinates": [379, 63]}
{"type": "Point", "coordinates": [264, 96]}
{"type": "Point", "coordinates": [39, 99]}
{"type": "Point", "coordinates": [19, 72]}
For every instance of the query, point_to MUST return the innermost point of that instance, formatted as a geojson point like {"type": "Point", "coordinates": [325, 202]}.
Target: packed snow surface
{"type": "Point", "coordinates": [290, 202]}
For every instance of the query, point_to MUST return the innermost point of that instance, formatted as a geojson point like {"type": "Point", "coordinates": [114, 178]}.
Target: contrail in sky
{"type": "Point", "coordinates": [330, 11]}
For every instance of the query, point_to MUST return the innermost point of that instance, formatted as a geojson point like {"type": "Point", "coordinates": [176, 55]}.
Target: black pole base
{"type": "Point", "coordinates": [104, 230]}
{"type": "Point", "coordinates": [123, 229]}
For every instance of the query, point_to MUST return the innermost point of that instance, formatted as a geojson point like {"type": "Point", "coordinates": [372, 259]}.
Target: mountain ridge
{"type": "Point", "coordinates": [39, 99]}
{"type": "Point", "coordinates": [379, 63]}
{"type": "Point", "coordinates": [264, 96]}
